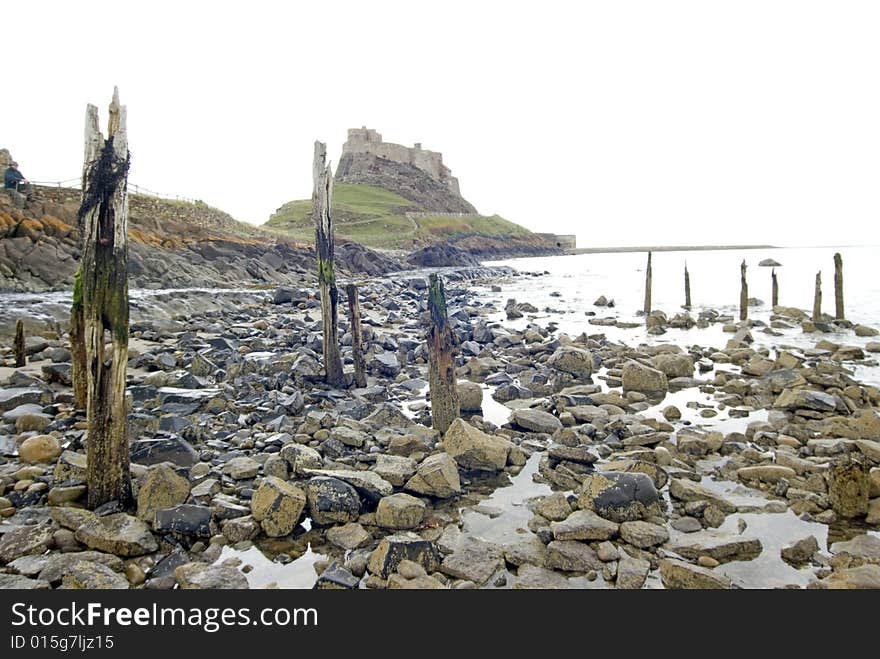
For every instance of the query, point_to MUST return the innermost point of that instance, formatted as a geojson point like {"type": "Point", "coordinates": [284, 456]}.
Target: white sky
{"type": "Point", "coordinates": [674, 122]}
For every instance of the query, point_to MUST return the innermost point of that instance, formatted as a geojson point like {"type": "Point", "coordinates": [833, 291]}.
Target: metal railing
{"type": "Point", "coordinates": [76, 184]}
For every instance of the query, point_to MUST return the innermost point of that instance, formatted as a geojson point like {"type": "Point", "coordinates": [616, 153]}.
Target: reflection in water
{"type": "Point", "coordinates": [299, 573]}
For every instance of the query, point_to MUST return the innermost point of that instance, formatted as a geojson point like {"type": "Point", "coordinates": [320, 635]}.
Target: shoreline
{"type": "Point", "coordinates": [662, 248]}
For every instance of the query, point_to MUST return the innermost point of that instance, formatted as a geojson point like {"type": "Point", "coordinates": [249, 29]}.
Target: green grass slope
{"type": "Point", "coordinates": [376, 217]}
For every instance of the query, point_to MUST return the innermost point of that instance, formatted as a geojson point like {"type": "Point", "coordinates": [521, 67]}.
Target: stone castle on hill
{"type": "Point", "coordinates": [414, 173]}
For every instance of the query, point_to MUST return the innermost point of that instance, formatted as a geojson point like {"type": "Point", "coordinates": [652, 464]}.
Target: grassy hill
{"type": "Point", "coordinates": [377, 217]}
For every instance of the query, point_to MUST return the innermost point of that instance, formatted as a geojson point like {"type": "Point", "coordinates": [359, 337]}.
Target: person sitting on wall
{"type": "Point", "coordinates": [14, 180]}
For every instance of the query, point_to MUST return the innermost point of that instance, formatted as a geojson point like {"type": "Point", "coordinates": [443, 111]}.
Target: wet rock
{"type": "Point", "coordinates": [688, 491]}
{"type": "Point", "coordinates": [349, 536]}
{"type": "Point", "coordinates": [848, 489]}
{"type": "Point", "coordinates": [643, 535]}
{"type": "Point", "coordinates": [572, 556]}
{"type": "Point", "coordinates": [637, 377]}
{"type": "Point", "coordinates": [118, 534]}
{"type": "Point", "coordinates": [619, 496]}
{"type": "Point", "coordinates": [722, 550]}
{"type": "Point", "coordinates": [800, 552]}
{"type": "Point", "coordinates": [88, 575]}
{"type": "Point", "coordinates": [161, 488]}
{"type": "Point", "coordinates": [470, 396]}
{"type": "Point", "coordinates": [368, 484]}
{"type": "Point", "coordinates": [632, 572]}
{"type": "Point", "coordinates": [39, 449]}
{"type": "Point", "coordinates": [186, 519]}
{"type": "Point", "coordinates": [474, 449]}
{"type": "Point", "coordinates": [554, 507]}
{"type": "Point", "coordinates": [437, 476]}
{"type": "Point", "coordinates": [574, 361]}
{"type": "Point", "coordinates": [336, 577]}
{"type": "Point", "coordinates": [535, 421]}
{"type": "Point", "coordinates": [475, 560]}
{"type": "Point", "coordinates": [584, 525]}
{"type": "Point", "coordinates": [209, 577]}
{"type": "Point", "coordinates": [403, 546]}
{"type": "Point", "coordinates": [170, 449]}
{"type": "Point", "coordinates": [239, 529]}
{"type": "Point", "coordinates": [332, 500]}
{"type": "Point", "coordinates": [400, 512]}
{"type": "Point", "coordinates": [678, 574]}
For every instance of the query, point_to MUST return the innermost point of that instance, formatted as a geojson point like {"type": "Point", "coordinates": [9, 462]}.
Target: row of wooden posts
{"type": "Point", "coordinates": [744, 290]}
{"type": "Point", "coordinates": [100, 309]}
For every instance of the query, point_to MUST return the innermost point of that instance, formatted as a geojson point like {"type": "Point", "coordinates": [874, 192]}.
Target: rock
{"type": "Point", "coordinates": [172, 449]}
{"type": "Point", "coordinates": [277, 506]}
{"type": "Point", "coordinates": [671, 413]}
{"type": "Point", "coordinates": [578, 454]}
{"type": "Point", "coordinates": [16, 396]}
{"type": "Point", "coordinates": [769, 263]}
{"type": "Point", "coordinates": [333, 501]}
{"type": "Point", "coordinates": [191, 576]}
{"type": "Point", "coordinates": [643, 534]}
{"type": "Point", "coordinates": [637, 377]}
{"type": "Point", "coordinates": [161, 488]}
{"type": "Point", "coordinates": [792, 399]}
{"type": "Point", "coordinates": [119, 534]}
{"type": "Point", "coordinates": [186, 519]}
{"type": "Point", "coordinates": [32, 422]}
{"type": "Point", "coordinates": [39, 449]}
{"type": "Point", "coordinates": [403, 546]}
{"type": "Point", "coordinates": [239, 529]}
{"type": "Point", "coordinates": [554, 507]}
{"type": "Point", "coordinates": [765, 473]}
{"type": "Point", "coordinates": [687, 491]}
{"type": "Point", "coordinates": [674, 365]}
{"type": "Point", "coordinates": [368, 484]}
{"type": "Point", "coordinates": [300, 458]}
{"type": "Point", "coordinates": [284, 294]}
{"type": "Point", "coordinates": [722, 550]}
{"type": "Point", "coordinates": [470, 396]}
{"type": "Point", "coordinates": [619, 496]}
{"type": "Point", "coordinates": [584, 525]}
{"type": "Point", "coordinates": [864, 330]}
{"type": "Point", "coordinates": [863, 548]}
{"type": "Point", "coordinates": [241, 468]}
{"type": "Point", "coordinates": [848, 489]}
{"type": "Point", "coordinates": [574, 361]}
{"type": "Point", "coordinates": [678, 574]}
{"type": "Point", "coordinates": [800, 552]}
{"type": "Point", "coordinates": [395, 469]}
{"type": "Point", "coordinates": [534, 577]}
{"type": "Point", "coordinates": [863, 577]}
{"type": "Point", "coordinates": [475, 560]}
{"type": "Point", "coordinates": [349, 536]}
{"type": "Point", "coordinates": [632, 572]}
{"type": "Point", "coordinates": [474, 449]}
{"type": "Point", "coordinates": [535, 421]}
{"type": "Point", "coordinates": [528, 549]}
{"type": "Point", "coordinates": [89, 575]}
{"type": "Point", "coordinates": [400, 512]}
{"type": "Point", "coordinates": [871, 449]}
{"type": "Point", "coordinates": [572, 556]}
{"type": "Point", "coordinates": [385, 363]}
{"type": "Point", "coordinates": [57, 565]}
{"type": "Point", "coordinates": [437, 476]}
{"type": "Point", "coordinates": [24, 541]}
{"type": "Point", "coordinates": [336, 577]}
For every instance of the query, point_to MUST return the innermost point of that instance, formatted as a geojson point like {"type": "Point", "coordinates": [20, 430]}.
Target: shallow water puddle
{"type": "Point", "coordinates": [492, 410]}
{"type": "Point", "coordinates": [299, 573]}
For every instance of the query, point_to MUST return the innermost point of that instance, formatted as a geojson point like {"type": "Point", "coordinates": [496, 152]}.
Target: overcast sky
{"type": "Point", "coordinates": [670, 122]}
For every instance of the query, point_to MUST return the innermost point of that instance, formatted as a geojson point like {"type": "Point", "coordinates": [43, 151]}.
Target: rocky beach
{"type": "Point", "coordinates": [579, 460]}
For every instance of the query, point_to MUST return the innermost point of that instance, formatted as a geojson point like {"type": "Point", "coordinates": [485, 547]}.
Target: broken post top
{"type": "Point", "coordinates": [437, 299]}
{"type": "Point", "coordinates": [838, 260]}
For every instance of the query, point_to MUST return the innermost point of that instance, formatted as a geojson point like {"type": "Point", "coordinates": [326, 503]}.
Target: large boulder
{"type": "Point", "coordinates": [620, 496]}
{"type": "Point", "coordinates": [474, 449]}
{"type": "Point", "coordinates": [400, 512]}
{"type": "Point", "coordinates": [584, 525]}
{"type": "Point", "coordinates": [644, 379]}
{"type": "Point", "coordinates": [674, 365]}
{"type": "Point", "coordinates": [848, 489]}
{"type": "Point", "coordinates": [162, 487]}
{"type": "Point", "coordinates": [118, 534]}
{"type": "Point", "coordinates": [437, 476]}
{"type": "Point", "coordinates": [470, 396]}
{"type": "Point", "coordinates": [535, 421]}
{"type": "Point", "coordinates": [277, 506]}
{"type": "Point", "coordinates": [332, 501]}
{"type": "Point", "coordinates": [403, 546]}
{"type": "Point", "coordinates": [678, 574]}
{"type": "Point", "coordinates": [575, 361]}
{"type": "Point", "coordinates": [792, 399]}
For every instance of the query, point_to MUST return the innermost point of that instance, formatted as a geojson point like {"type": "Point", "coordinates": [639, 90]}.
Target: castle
{"type": "Point", "coordinates": [367, 140]}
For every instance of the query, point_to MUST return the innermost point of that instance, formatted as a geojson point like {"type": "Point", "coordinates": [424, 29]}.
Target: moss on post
{"type": "Point", "coordinates": [743, 293]}
{"type": "Point", "coordinates": [357, 348]}
{"type": "Point", "coordinates": [77, 334]}
{"type": "Point", "coordinates": [445, 406]}
{"type": "Point", "coordinates": [18, 347]}
{"type": "Point", "coordinates": [103, 216]}
{"type": "Point", "coordinates": [324, 246]}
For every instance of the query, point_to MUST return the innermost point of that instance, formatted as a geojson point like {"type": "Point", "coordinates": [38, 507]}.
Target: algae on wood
{"type": "Point", "coordinates": [357, 347]}
{"type": "Point", "coordinates": [445, 406]}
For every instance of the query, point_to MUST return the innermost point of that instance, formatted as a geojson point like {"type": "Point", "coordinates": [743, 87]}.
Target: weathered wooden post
{"type": "Point", "coordinates": [648, 287]}
{"type": "Point", "coordinates": [743, 293]}
{"type": "Point", "coordinates": [357, 349]}
{"type": "Point", "coordinates": [77, 333]}
{"type": "Point", "coordinates": [687, 288]}
{"type": "Point", "coordinates": [103, 215]}
{"type": "Point", "coordinates": [18, 348]}
{"type": "Point", "coordinates": [441, 359]}
{"type": "Point", "coordinates": [775, 286]}
{"type": "Point", "coordinates": [323, 188]}
{"type": "Point", "coordinates": [817, 299]}
{"type": "Point", "coordinates": [838, 287]}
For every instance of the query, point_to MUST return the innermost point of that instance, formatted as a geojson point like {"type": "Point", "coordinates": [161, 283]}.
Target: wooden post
{"type": "Point", "coordinates": [354, 317]}
{"type": "Point", "coordinates": [18, 348]}
{"type": "Point", "coordinates": [104, 218]}
{"type": "Point", "coordinates": [817, 299]}
{"type": "Point", "coordinates": [648, 287]}
{"type": "Point", "coordinates": [775, 284]}
{"type": "Point", "coordinates": [838, 287]}
{"type": "Point", "coordinates": [743, 293]}
{"type": "Point", "coordinates": [77, 333]}
{"type": "Point", "coordinates": [441, 359]}
{"type": "Point", "coordinates": [323, 188]}
{"type": "Point", "coordinates": [687, 288]}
